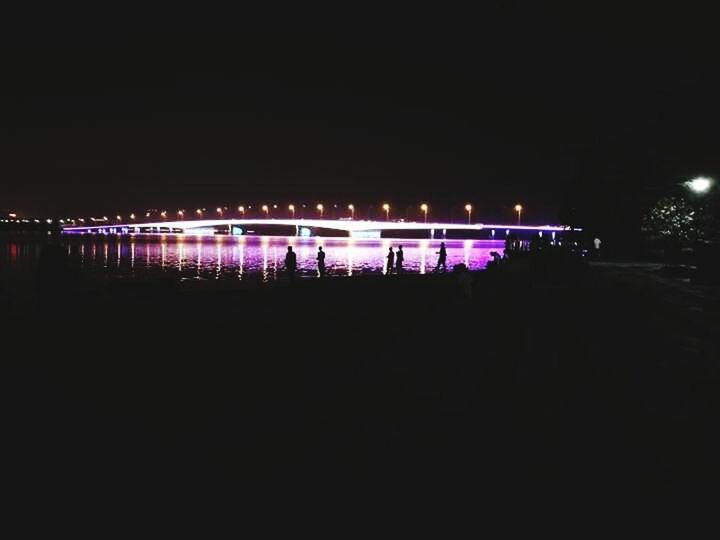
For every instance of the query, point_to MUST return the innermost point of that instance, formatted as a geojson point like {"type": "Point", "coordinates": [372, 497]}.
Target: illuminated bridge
{"type": "Point", "coordinates": [309, 227]}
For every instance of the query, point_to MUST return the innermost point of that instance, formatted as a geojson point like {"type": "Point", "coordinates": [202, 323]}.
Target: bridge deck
{"type": "Point", "coordinates": [340, 225]}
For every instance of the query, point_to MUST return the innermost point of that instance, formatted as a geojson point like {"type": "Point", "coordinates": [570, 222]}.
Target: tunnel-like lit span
{"type": "Point", "coordinates": [302, 227]}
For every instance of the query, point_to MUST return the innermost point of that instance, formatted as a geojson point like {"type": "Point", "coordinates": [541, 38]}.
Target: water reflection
{"type": "Point", "coordinates": [350, 249]}
{"type": "Point", "coordinates": [261, 258]}
{"type": "Point", "coordinates": [218, 256]}
{"type": "Point", "coordinates": [242, 258]}
{"type": "Point", "coordinates": [181, 253]}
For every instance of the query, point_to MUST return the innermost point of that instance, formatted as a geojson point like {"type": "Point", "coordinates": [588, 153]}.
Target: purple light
{"type": "Point", "coordinates": [358, 226]}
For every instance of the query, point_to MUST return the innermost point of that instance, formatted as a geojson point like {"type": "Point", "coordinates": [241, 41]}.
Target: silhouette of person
{"type": "Point", "coordinates": [399, 258]}
{"type": "Point", "coordinates": [321, 261]}
{"type": "Point", "coordinates": [390, 261]}
{"type": "Point", "coordinates": [442, 258]}
{"type": "Point", "coordinates": [290, 263]}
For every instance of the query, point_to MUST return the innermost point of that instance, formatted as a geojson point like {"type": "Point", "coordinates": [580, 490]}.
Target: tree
{"type": "Point", "coordinates": [674, 220]}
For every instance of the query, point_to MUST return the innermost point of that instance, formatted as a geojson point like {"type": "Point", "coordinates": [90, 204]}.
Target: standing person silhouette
{"type": "Point", "coordinates": [290, 263]}
{"type": "Point", "coordinates": [390, 261]}
{"type": "Point", "coordinates": [442, 258]}
{"type": "Point", "coordinates": [321, 261]}
{"type": "Point", "coordinates": [399, 258]}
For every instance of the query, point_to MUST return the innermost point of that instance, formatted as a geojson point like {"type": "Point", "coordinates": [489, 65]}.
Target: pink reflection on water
{"type": "Point", "coordinates": [225, 257]}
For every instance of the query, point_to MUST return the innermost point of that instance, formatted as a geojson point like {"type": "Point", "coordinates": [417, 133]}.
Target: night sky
{"type": "Point", "coordinates": [573, 111]}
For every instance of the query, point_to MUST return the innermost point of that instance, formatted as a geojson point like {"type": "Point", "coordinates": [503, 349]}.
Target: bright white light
{"type": "Point", "coordinates": [699, 185]}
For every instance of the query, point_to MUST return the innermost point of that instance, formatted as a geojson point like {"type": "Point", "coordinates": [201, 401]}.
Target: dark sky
{"type": "Point", "coordinates": [558, 107]}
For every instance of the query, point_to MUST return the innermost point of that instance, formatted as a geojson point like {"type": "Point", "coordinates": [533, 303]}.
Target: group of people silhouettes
{"type": "Point", "coordinates": [291, 262]}
{"type": "Point", "coordinates": [395, 260]}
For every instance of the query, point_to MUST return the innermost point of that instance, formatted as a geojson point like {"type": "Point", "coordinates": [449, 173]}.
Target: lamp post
{"type": "Point", "coordinates": [386, 207]}
{"type": "Point", "coordinates": [351, 207]}
{"type": "Point", "coordinates": [291, 207]}
{"type": "Point", "coordinates": [199, 212]}
{"type": "Point", "coordinates": [241, 209]}
{"type": "Point", "coordinates": [518, 209]}
{"type": "Point", "coordinates": [219, 211]}
{"type": "Point", "coordinates": [320, 209]}
{"type": "Point", "coordinates": [266, 210]}
{"type": "Point", "coordinates": [181, 213]}
{"type": "Point", "coordinates": [132, 217]}
{"type": "Point", "coordinates": [424, 208]}
{"type": "Point", "coordinates": [468, 209]}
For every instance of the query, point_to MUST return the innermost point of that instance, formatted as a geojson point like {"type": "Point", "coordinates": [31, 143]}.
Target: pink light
{"type": "Point", "coordinates": [343, 225]}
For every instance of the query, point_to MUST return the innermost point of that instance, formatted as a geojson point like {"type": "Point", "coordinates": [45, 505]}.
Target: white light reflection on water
{"type": "Point", "coordinates": [387, 243]}
{"type": "Point", "coordinates": [243, 257]}
{"type": "Point", "coordinates": [181, 252]}
{"type": "Point", "coordinates": [218, 256]}
{"type": "Point", "coordinates": [198, 247]}
{"type": "Point", "coordinates": [468, 250]}
{"type": "Point", "coordinates": [264, 241]}
{"type": "Point", "coordinates": [350, 249]}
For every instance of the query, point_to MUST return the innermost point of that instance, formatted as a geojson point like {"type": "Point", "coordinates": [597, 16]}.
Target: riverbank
{"type": "Point", "coordinates": [588, 382]}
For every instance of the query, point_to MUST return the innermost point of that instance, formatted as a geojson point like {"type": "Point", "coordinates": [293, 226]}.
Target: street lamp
{"type": "Point", "coordinates": [518, 209]}
{"type": "Point", "coordinates": [699, 185]}
{"type": "Point", "coordinates": [198, 212]}
{"type": "Point", "coordinates": [266, 210]}
{"type": "Point", "coordinates": [424, 208]}
{"type": "Point", "coordinates": [132, 216]}
{"type": "Point", "coordinates": [163, 214]}
{"type": "Point", "coordinates": [386, 207]}
{"type": "Point", "coordinates": [321, 209]}
{"type": "Point", "coordinates": [468, 209]}
{"type": "Point", "coordinates": [241, 209]}
{"type": "Point", "coordinates": [351, 207]}
{"type": "Point", "coordinates": [292, 210]}
{"type": "Point", "coordinates": [119, 218]}
{"type": "Point", "coordinates": [219, 210]}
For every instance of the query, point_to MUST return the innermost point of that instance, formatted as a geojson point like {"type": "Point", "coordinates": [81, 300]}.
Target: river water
{"type": "Point", "coordinates": [230, 257]}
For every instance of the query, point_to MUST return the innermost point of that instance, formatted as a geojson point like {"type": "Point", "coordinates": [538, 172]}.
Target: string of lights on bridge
{"type": "Point", "coordinates": [269, 211]}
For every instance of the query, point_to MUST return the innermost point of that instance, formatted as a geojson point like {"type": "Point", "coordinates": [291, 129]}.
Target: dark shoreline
{"type": "Point", "coordinates": [593, 377]}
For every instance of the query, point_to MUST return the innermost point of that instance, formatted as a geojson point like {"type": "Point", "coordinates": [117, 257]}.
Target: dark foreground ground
{"type": "Point", "coordinates": [597, 383]}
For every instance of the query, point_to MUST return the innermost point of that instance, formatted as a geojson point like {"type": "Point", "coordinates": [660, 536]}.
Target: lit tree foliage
{"type": "Point", "coordinates": [673, 219]}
